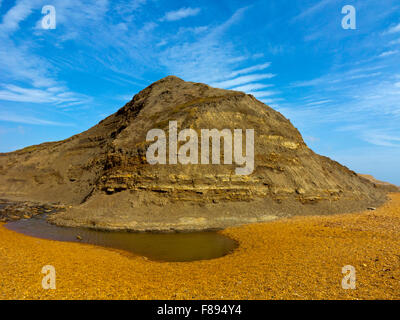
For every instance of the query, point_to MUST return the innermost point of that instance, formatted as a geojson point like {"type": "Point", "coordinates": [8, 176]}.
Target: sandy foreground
{"type": "Point", "coordinates": [297, 258]}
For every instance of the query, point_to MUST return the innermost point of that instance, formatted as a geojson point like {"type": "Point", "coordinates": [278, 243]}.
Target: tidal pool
{"type": "Point", "coordinates": [172, 247]}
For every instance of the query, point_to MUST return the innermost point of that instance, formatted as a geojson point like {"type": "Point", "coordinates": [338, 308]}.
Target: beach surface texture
{"type": "Point", "coordinates": [295, 258]}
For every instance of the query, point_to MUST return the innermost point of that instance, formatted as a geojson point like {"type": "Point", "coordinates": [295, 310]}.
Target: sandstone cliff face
{"type": "Point", "coordinates": [103, 173]}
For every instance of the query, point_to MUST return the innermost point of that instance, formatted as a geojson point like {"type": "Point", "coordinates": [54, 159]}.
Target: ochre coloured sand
{"type": "Point", "coordinates": [298, 258]}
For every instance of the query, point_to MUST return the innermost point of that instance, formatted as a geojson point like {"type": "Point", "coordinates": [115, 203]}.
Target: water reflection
{"type": "Point", "coordinates": [155, 246]}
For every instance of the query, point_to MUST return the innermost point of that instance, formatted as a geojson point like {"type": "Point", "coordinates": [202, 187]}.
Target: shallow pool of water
{"type": "Point", "coordinates": [176, 247]}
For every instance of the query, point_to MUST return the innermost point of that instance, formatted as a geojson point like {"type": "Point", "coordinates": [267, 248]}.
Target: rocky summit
{"type": "Point", "coordinates": [104, 180]}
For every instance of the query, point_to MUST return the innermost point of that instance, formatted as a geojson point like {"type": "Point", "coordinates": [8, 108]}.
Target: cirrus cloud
{"type": "Point", "coordinates": [180, 14]}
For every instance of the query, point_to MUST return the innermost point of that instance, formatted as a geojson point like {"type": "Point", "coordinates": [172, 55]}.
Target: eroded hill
{"type": "Point", "coordinates": [104, 179]}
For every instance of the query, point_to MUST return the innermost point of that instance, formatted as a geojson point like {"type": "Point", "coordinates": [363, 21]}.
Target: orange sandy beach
{"type": "Point", "coordinates": [297, 258]}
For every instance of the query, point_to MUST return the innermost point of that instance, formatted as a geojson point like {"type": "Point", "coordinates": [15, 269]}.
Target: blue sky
{"type": "Point", "coordinates": [340, 88]}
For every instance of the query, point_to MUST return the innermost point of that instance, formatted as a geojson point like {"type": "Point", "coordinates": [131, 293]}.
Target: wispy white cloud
{"type": "Point", "coordinates": [394, 29]}
{"type": "Point", "coordinates": [17, 63]}
{"type": "Point", "coordinates": [340, 77]}
{"type": "Point", "coordinates": [85, 19]}
{"type": "Point", "coordinates": [388, 53]}
{"type": "Point", "coordinates": [394, 42]}
{"type": "Point", "coordinates": [243, 80]}
{"type": "Point", "coordinates": [378, 138]}
{"type": "Point", "coordinates": [124, 97]}
{"type": "Point", "coordinates": [272, 101]}
{"type": "Point", "coordinates": [308, 83]}
{"type": "Point", "coordinates": [191, 53]}
{"type": "Point", "coordinates": [311, 138]}
{"type": "Point", "coordinates": [180, 14]}
{"type": "Point", "coordinates": [191, 30]}
{"type": "Point", "coordinates": [251, 69]}
{"type": "Point", "coordinates": [125, 10]}
{"type": "Point", "coordinates": [262, 94]}
{"type": "Point", "coordinates": [363, 100]}
{"type": "Point", "coordinates": [312, 10]}
{"type": "Point", "coordinates": [52, 95]}
{"type": "Point", "coordinates": [214, 59]}
{"type": "Point", "coordinates": [36, 75]}
{"type": "Point", "coordinates": [317, 103]}
{"type": "Point", "coordinates": [11, 117]}
{"type": "Point", "coordinates": [16, 14]}
{"type": "Point", "coordinates": [205, 58]}
{"type": "Point", "coordinates": [252, 87]}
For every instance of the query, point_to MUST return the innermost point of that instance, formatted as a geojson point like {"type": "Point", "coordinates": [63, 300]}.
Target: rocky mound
{"type": "Point", "coordinates": [104, 179]}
